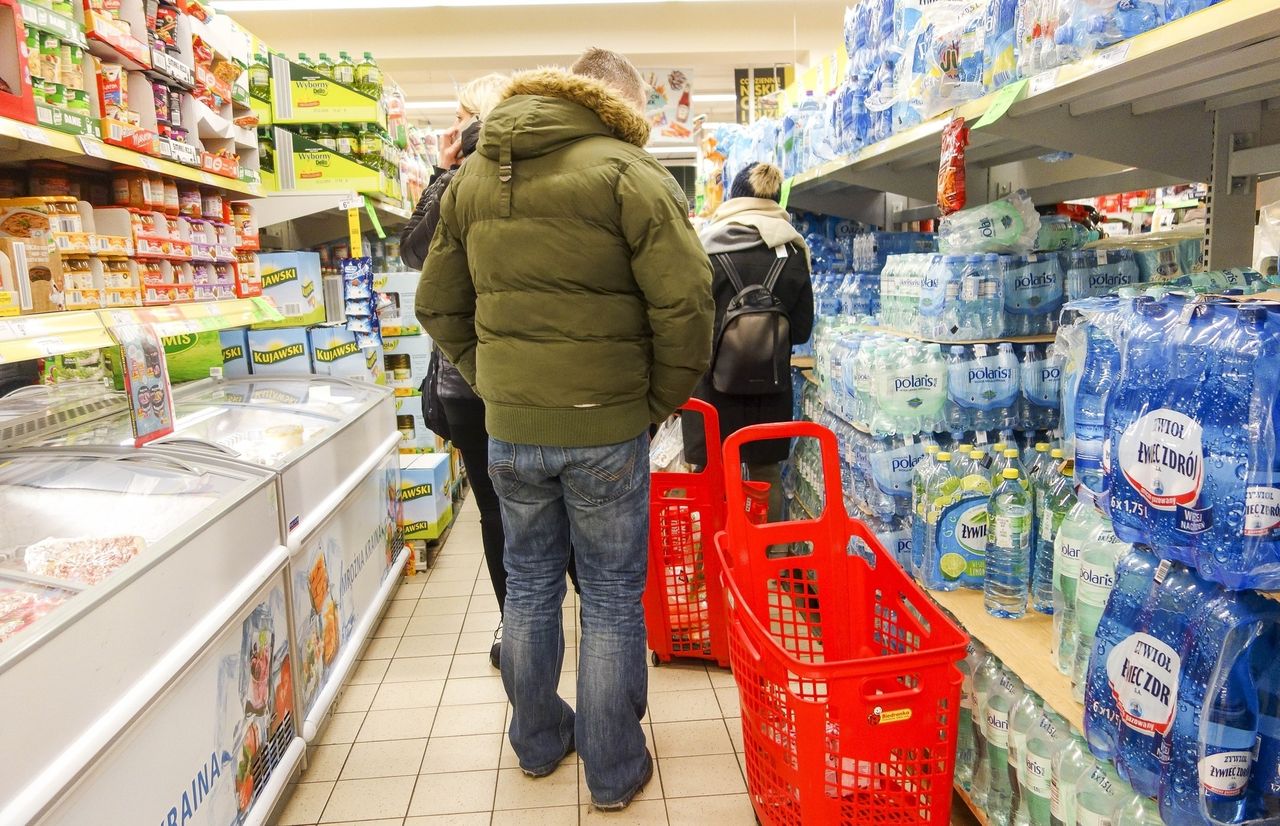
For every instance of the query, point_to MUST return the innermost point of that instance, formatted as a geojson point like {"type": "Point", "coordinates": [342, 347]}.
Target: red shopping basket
{"type": "Point", "coordinates": [683, 601]}
{"type": "Point", "coordinates": [845, 669]}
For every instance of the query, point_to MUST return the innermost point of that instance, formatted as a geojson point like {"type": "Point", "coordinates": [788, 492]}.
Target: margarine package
{"type": "Point", "coordinates": [279, 351]}
{"type": "Point", "coordinates": [399, 288]}
{"type": "Point", "coordinates": [292, 280]}
{"type": "Point", "coordinates": [415, 436]}
{"type": "Point", "coordinates": [407, 360]}
{"type": "Point", "coordinates": [335, 352]}
{"type": "Point", "coordinates": [424, 494]}
{"type": "Point", "coordinates": [235, 354]}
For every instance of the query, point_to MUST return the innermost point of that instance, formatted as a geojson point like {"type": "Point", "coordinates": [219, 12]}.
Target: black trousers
{"type": "Point", "coordinates": [466, 425]}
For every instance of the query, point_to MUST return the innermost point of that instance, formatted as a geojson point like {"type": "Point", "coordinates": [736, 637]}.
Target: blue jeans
{"type": "Point", "coordinates": [598, 499]}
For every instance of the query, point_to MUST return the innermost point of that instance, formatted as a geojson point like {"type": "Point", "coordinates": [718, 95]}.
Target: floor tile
{"type": "Point", "coordinates": [475, 752]}
{"type": "Point", "coordinates": [368, 799]}
{"type": "Point", "coordinates": [721, 677]}
{"type": "Point", "coordinates": [691, 738]}
{"type": "Point", "coordinates": [443, 624]}
{"type": "Point", "coordinates": [356, 697]}
{"type": "Point", "coordinates": [474, 642]}
{"type": "Point", "coordinates": [678, 677]}
{"type": "Point", "coordinates": [730, 702]}
{"type": "Point", "coordinates": [459, 588]}
{"type": "Point", "coordinates": [416, 669]}
{"type": "Point", "coordinates": [472, 819]}
{"type": "Point", "coordinates": [481, 621]}
{"type": "Point", "coordinates": [341, 728]}
{"type": "Point", "coordinates": [471, 690]}
{"type": "Point", "coordinates": [401, 608]}
{"type": "Point", "coordinates": [400, 724]}
{"type": "Point", "coordinates": [484, 718]}
{"type": "Point", "coordinates": [472, 665]}
{"type": "Point", "coordinates": [439, 794]}
{"type": "Point", "coordinates": [483, 600]}
{"type": "Point", "coordinates": [325, 762]}
{"type": "Point", "coordinates": [675, 706]}
{"type": "Point", "coordinates": [412, 694]}
{"type": "Point", "coordinates": [380, 648]}
{"type": "Point", "coordinates": [452, 575]}
{"type": "Point", "coordinates": [395, 821]}
{"type": "Point", "coordinates": [441, 605]}
{"type": "Point", "coordinates": [555, 816]}
{"type": "Point", "coordinates": [640, 813]}
{"type": "Point", "coordinates": [732, 808]}
{"type": "Point", "coordinates": [735, 732]}
{"type": "Point", "coordinates": [517, 791]}
{"type": "Point", "coordinates": [305, 804]}
{"type": "Point", "coordinates": [387, 758]}
{"type": "Point", "coordinates": [391, 627]}
{"type": "Point", "coordinates": [427, 645]}
{"type": "Point", "coordinates": [696, 776]}
{"type": "Point", "coordinates": [368, 671]}
{"type": "Point", "coordinates": [409, 590]}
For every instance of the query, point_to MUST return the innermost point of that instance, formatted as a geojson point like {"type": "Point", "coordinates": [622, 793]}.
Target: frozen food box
{"type": "Point", "coordinates": [335, 352]}
{"type": "Point", "coordinates": [279, 351]}
{"type": "Point", "coordinates": [235, 353]}
{"type": "Point", "coordinates": [188, 357]}
{"type": "Point", "coordinates": [424, 494]}
{"type": "Point", "coordinates": [292, 280]}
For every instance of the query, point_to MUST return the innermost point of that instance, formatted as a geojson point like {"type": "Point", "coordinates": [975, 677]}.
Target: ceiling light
{"type": "Point", "coordinates": [431, 104]}
{"type": "Point", "coordinates": [353, 5]}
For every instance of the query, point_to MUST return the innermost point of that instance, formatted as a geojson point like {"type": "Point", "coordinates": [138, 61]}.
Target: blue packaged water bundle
{"type": "Point", "coordinates": [1263, 793]}
{"type": "Point", "coordinates": [999, 48]}
{"type": "Point", "coordinates": [1033, 292]}
{"type": "Point", "coordinates": [992, 386]}
{"type": "Point", "coordinates": [1135, 575]}
{"type": "Point", "coordinates": [1210, 766]}
{"type": "Point", "coordinates": [1098, 372]}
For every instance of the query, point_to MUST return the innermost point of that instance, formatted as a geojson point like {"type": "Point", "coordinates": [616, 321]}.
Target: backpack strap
{"type": "Point", "coordinates": [730, 270]}
{"type": "Point", "coordinates": [775, 270]}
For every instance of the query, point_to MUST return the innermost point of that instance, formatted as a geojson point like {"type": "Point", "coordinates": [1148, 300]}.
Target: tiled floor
{"type": "Point", "coordinates": [416, 738]}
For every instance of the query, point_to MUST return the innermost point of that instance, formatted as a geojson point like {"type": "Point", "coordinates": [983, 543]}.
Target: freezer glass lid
{"type": "Point", "coordinates": [71, 522]}
{"type": "Point", "coordinates": [314, 394]}
{"type": "Point", "coordinates": [265, 436]}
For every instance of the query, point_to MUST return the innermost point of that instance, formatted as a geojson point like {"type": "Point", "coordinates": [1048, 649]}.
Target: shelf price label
{"type": "Point", "coordinates": [92, 147]}
{"type": "Point", "coordinates": [1004, 99]}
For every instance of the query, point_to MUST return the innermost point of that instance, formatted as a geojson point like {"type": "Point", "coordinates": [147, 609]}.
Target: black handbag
{"type": "Point", "coordinates": [432, 409]}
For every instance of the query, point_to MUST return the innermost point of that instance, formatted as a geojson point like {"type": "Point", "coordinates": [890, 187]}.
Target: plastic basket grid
{"type": "Point", "coordinates": [683, 602]}
{"type": "Point", "coordinates": [845, 670]}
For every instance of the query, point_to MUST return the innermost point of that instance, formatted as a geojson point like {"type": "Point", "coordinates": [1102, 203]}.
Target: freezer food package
{"type": "Point", "coordinates": [87, 560]}
{"type": "Point", "coordinates": [19, 607]}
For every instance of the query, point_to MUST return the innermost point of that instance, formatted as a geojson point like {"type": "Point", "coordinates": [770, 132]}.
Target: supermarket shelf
{"type": "Point", "coordinates": [22, 142]}
{"type": "Point", "coordinates": [1024, 645]}
{"type": "Point", "coordinates": [978, 814]}
{"type": "Point", "coordinates": [279, 216]}
{"type": "Point", "coordinates": [51, 334]}
{"type": "Point", "coordinates": [1042, 339]}
{"type": "Point", "coordinates": [802, 362]}
{"type": "Point", "coordinates": [1112, 111]}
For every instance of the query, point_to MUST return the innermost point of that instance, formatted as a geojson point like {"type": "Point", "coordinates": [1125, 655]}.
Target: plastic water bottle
{"type": "Point", "coordinates": [1004, 695]}
{"type": "Point", "coordinates": [1026, 715]}
{"type": "Point", "coordinates": [1068, 545]}
{"type": "Point", "coordinates": [1098, 795]}
{"type": "Point", "coordinates": [1135, 574]}
{"type": "Point", "coordinates": [1044, 742]}
{"type": "Point", "coordinates": [1003, 457]}
{"type": "Point", "coordinates": [1264, 790]}
{"type": "Point", "coordinates": [1070, 766]}
{"type": "Point", "coordinates": [957, 525]}
{"type": "Point", "coordinates": [991, 308]}
{"type": "Point", "coordinates": [920, 481]}
{"type": "Point", "coordinates": [1097, 578]}
{"type": "Point", "coordinates": [1008, 548]}
{"type": "Point", "coordinates": [1096, 378]}
{"type": "Point", "coordinates": [1057, 498]}
{"type": "Point", "coordinates": [985, 680]}
{"type": "Point", "coordinates": [960, 402]}
{"type": "Point", "coordinates": [966, 752]}
{"type": "Point", "coordinates": [1137, 811]}
{"type": "Point", "coordinates": [993, 380]}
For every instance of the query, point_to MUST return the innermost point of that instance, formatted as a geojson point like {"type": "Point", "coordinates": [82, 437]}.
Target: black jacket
{"type": "Point", "coordinates": [795, 291]}
{"type": "Point", "coordinates": [415, 240]}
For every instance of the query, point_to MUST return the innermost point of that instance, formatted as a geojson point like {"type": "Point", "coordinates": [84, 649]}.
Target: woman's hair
{"type": "Point", "coordinates": [482, 94]}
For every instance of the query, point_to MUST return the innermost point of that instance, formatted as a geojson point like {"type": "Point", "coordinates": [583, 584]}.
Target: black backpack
{"type": "Point", "coordinates": [752, 354]}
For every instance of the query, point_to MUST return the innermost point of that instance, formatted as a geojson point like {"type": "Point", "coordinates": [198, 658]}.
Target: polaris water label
{"type": "Point", "coordinates": [993, 383]}
{"type": "Point", "coordinates": [1042, 382]}
{"type": "Point", "coordinates": [1034, 290]}
{"type": "Point", "coordinates": [1143, 673]}
{"type": "Point", "coordinates": [1095, 582]}
{"type": "Point", "coordinates": [1162, 457]}
{"type": "Point", "coordinates": [892, 469]}
{"type": "Point", "coordinates": [1261, 510]}
{"type": "Point", "coordinates": [1068, 561]}
{"type": "Point", "coordinates": [997, 728]}
{"type": "Point", "coordinates": [1037, 773]}
{"type": "Point", "coordinates": [1226, 773]}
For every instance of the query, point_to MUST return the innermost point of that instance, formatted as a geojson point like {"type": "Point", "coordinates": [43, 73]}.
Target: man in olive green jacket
{"type": "Point", "coordinates": [567, 285]}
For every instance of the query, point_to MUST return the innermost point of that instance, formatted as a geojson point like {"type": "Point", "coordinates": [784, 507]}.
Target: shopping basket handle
{"type": "Point", "coordinates": [711, 434]}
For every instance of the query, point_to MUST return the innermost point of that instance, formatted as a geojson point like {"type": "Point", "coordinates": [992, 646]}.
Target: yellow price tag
{"type": "Point", "coordinates": [353, 228]}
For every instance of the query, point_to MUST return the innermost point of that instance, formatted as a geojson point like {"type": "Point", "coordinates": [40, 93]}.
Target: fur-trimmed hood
{"type": "Point", "coordinates": [545, 109]}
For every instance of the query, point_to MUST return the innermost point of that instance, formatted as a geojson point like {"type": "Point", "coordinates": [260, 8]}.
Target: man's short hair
{"type": "Point", "coordinates": [614, 71]}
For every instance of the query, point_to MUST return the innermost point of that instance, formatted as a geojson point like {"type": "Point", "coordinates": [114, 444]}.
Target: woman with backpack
{"type": "Point", "coordinates": [764, 306]}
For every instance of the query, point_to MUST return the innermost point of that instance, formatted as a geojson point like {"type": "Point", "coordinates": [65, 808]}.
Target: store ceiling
{"type": "Point", "coordinates": [428, 46]}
